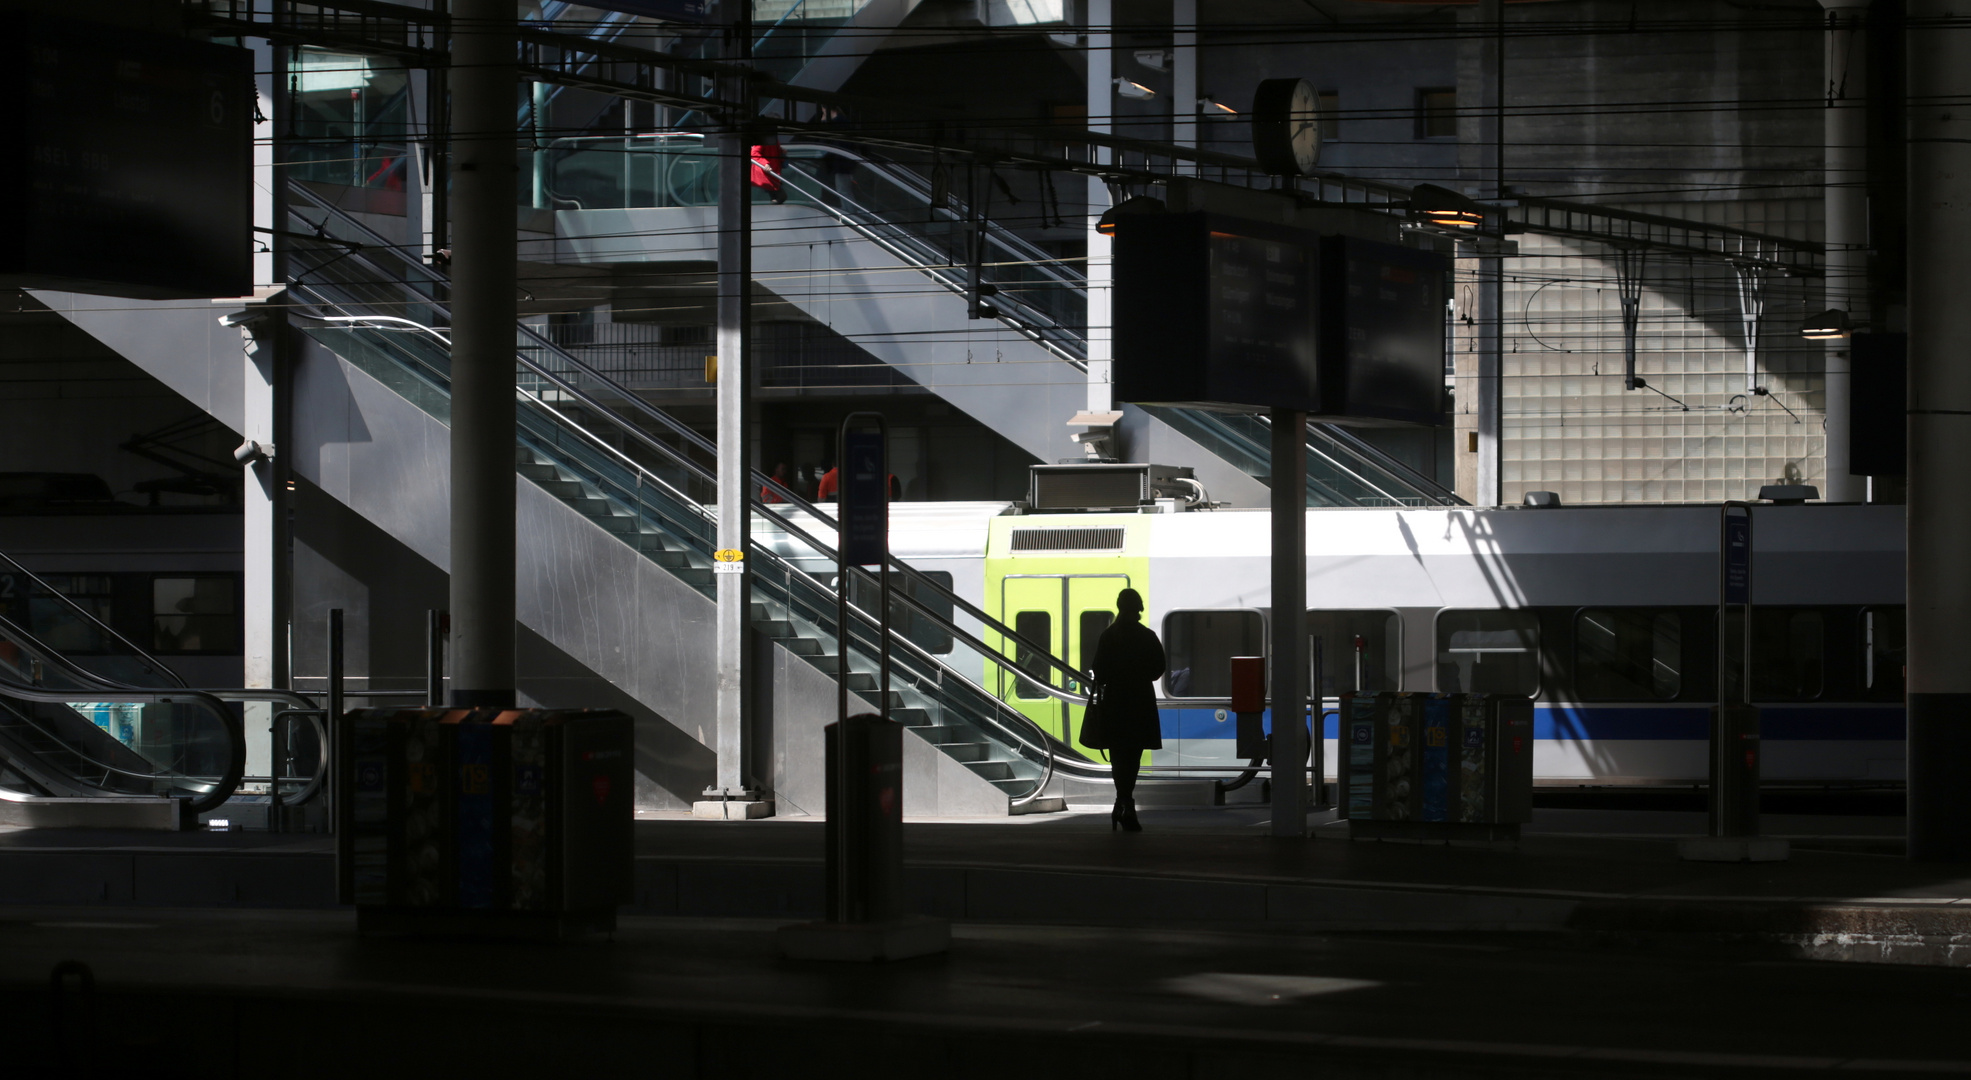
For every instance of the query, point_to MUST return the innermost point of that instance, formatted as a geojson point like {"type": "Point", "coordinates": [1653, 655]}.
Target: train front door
{"type": "Point", "coordinates": [1064, 614]}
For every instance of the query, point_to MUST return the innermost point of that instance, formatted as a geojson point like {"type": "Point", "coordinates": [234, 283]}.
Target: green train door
{"type": "Point", "coordinates": [1065, 614]}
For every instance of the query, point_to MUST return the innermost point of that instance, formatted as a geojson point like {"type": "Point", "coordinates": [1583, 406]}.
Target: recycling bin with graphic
{"type": "Point", "coordinates": [501, 821]}
{"type": "Point", "coordinates": [1436, 766]}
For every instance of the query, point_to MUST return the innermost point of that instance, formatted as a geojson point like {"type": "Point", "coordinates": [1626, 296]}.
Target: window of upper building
{"type": "Point", "coordinates": [1437, 113]}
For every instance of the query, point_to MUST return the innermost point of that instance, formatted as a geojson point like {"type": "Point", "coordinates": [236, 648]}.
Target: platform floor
{"type": "Point", "coordinates": [1198, 948]}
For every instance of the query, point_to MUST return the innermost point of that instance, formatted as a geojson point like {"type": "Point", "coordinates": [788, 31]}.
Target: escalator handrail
{"type": "Point", "coordinates": [47, 654]}
{"type": "Point", "coordinates": [635, 431]}
{"type": "Point", "coordinates": [1401, 470]}
{"type": "Point", "coordinates": [223, 787]}
{"type": "Point", "coordinates": [153, 662]}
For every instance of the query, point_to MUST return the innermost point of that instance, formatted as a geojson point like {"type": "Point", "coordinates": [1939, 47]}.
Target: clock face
{"type": "Point", "coordinates": [1304, 127]}
{"type": "Point", "coordinates": [1286, 126]}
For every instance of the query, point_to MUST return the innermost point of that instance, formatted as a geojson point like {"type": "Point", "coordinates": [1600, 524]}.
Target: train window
{"type": "Point", "coordinates": [1359, 650]}
{"type": "Point", "coordinates": [1199, 647]}
{"type": "Point", "coordinates": [194, 615]}
{"type": "Point", "coordinates": [1089, 632]}
{"type": "Point", "coordinates": [1884, 652]}
{"type": "Point", "coordinates": [1489, 652]}
{"type": "Point", "coordinates": [1628, 654]}
{"type": "Point", "coordinates": [1038, 628]}
{"type": "Point", "coordinates": [1789, 658]}
{"type": "Point", "coordinates": [57, 624]}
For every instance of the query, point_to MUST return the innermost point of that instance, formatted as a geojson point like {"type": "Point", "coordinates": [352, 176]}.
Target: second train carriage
{"type": "Point", "coordinates": [1606, 616]}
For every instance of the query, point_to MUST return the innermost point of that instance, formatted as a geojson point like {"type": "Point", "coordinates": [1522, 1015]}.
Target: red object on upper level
{"type": "Point", "coordinates": [1248, 684]}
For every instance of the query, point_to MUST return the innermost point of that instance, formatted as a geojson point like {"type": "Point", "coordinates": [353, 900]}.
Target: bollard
{"type": "Point", "coordinates": [866, 917]}
{"type": "Point", "coordinates": [865, 820]}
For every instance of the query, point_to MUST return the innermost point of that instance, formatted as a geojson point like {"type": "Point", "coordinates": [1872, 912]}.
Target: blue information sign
{"type": "Point", "coordinates": [865, 507]}
{"type": "Point", "coordinates": [1738, 560]}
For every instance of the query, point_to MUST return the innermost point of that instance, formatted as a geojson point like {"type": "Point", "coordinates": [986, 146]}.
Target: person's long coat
{"type": "Point", "coordinates": [1128, 662]}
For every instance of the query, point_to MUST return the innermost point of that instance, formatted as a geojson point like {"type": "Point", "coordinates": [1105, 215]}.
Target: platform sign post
{"type": "Point", "coordinates": [1289, 623]}
{"type": "Point", "coordinates": [1733, 833]}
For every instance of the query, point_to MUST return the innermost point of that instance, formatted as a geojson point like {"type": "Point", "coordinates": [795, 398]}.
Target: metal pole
{"type": "Point", "coordinates": [844, 898]}
{"type": "Point", "coordinates": [1100, 266]}
{"type": "Point", "coordinates": [1491, 267]}
{"type": "Point", "coordinates": [338, 762]}
{"type": "Point", "coordinates": [1734, 730]}
{"type": "Point", "coordinates": [1846, 180]}
{"type": "Point", "coordinates": [1289, 628]}
{"type": "Point", "coordinates": [434, 658]}
{"type": "Point", "coordinates": [735, 275]}
{"type": "Point", "coordinates": [484, 308]}
{"type": "Point", "coordinates": [1939, 517]}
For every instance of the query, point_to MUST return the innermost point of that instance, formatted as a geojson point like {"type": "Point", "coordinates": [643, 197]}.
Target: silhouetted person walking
{"type": "Point", "coordinates": [1128, 662]}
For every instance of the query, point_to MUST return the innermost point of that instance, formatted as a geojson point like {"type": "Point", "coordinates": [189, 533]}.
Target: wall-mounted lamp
{"type": "Point", "coordinates": [1134, 91]}
{"type": "Point", "coordinates": [1827, 326]}
{"type": "Point", "coordinates": [1211, 107]}
{"type": "Point", "coordinates": [1135, 204]}
{"type": "Point", "coordinates": [1154, 59]}
{"type": "Point", "coordinates": [1442, 206]}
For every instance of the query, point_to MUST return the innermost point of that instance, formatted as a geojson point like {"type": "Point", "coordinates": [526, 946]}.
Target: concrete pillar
{"type": "Point", "coordinates": [1184, 72]}
{"type": "Point", "coordinates": [1846, 179]}
{"type": "Point", "coordinates": [1939, 516]}
{"type": "Point", "coordinates": [1480, 335]}
{"type": "Point", "coordinates": [484, 308]}
{"type": "Point", "coordinates": [1100, 269]}
{"type": "Point", "coordinates": [735, 275]}
{"type": "Point", "coordinates": [1289, 629]}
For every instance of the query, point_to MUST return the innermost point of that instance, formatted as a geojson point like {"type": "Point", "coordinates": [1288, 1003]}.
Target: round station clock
{"type": "Point", "coordinates": [1286, 127]}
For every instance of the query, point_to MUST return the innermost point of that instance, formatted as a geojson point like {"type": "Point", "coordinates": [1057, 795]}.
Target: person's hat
{"type": "Point", "coordinates": [1129, 600]}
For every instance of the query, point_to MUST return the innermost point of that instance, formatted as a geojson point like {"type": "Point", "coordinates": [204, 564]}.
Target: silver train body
{"type": "Point", "coordinates": [1606, 616]}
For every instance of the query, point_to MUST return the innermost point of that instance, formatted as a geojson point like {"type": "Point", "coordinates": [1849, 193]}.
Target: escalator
{"type": "Point", "coordinates": [1038, 296]}
{"type": "Point", "coordinates": [647, 480]}
{"type": "Point", "coordinates": [124, 743]}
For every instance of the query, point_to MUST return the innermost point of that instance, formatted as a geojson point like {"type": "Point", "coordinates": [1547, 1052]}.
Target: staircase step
{"type": "Point", "coordinates": [1016, 787]}
{"type": "Point", "coordinates": [971, 753]}
{"type": "Point", "coordinates": [565, 490]}
{"type": "Point", "coordinates": [915, 718]}
{"type": "Point", "coordinates": [538, 470]}
{"type": "Point", "coordinates": [992, 770]}
{"type": "Point", "coordinates": [778, 629]}
{"type": "Point", "coordinates": [693, 575]}
{"type": "Point", "coordinates": [801, 646]}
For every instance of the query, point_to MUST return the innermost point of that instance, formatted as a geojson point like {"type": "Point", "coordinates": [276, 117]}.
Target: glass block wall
{"type": "Point", "coordinates": [1698, 435]}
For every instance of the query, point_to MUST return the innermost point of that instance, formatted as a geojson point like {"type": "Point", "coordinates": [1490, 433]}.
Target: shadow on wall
{"type": "Point", "coordinates": [672, 767]}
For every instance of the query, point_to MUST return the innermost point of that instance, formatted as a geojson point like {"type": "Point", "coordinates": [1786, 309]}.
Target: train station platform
{"type": "Point", "coordinates": [1845, 892]}
{"type": "Point", "coordinates": [1198, 948]}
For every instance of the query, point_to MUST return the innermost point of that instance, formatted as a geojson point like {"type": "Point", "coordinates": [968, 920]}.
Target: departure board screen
{"type": "Point", "coordinates": [1262, 343]}
{"type": "Point", "coordinates": [134, 163]}
{"type": "Point", "coordinates": [1388, 329]}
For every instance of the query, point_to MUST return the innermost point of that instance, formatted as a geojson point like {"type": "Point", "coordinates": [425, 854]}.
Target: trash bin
{"type": "Point", "coordinates": [513, 821]}
{"type": "Point", "coordinates": [1437, 766]}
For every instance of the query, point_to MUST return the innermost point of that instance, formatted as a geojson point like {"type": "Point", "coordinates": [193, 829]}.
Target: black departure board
{"type": "Point", "coordinates": [1261, 324]}
{"type": "Point", "coordinates": [133, 173]}
{"type": "Point", "coordinates": [1227, 314]}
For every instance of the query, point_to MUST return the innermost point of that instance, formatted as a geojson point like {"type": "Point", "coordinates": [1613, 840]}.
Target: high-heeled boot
{"type": "Point", "coordinates": [1115, 816]}
{"type": "Point", "coordinates": [1129, 822]}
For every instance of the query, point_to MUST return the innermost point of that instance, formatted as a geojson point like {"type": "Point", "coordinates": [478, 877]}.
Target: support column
{"type": "Point", "coordinates": [1184, 72]}
{"type": "Point", "coordinates": [484, 308]}
{"type": "Point", "coordinates": [1489, 406]}
{"type": "Point", "coordinates": [1100, 267]}
{"type": "Point", "coordinates": [1939, 517]}
{"type": "Point", "coordinates": [1289, 629]}
{"type": "Point", "coordinates": [1846, 180]}
{"type": "Point", "coordinates": [735, 367]}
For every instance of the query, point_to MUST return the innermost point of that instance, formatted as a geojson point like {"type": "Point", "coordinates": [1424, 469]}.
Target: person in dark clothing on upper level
{"type": "Point", "coordinates": [1128, 661]}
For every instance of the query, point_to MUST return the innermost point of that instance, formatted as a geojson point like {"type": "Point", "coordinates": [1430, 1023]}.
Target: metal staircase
{"type": "Point", "coordinates": [642, 476]}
